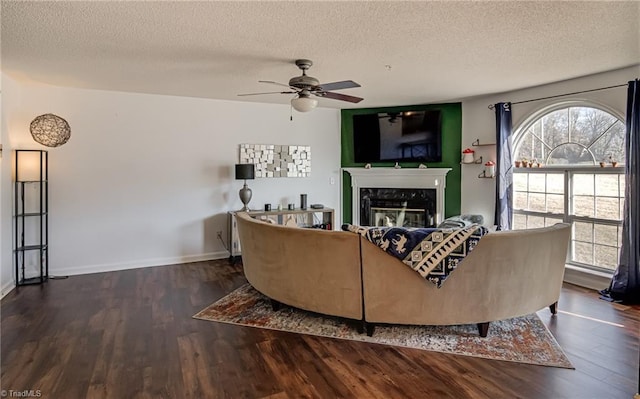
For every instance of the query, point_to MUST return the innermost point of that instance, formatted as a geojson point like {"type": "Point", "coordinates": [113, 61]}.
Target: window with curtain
{"type": "Point", "coordinates": [571, 170]}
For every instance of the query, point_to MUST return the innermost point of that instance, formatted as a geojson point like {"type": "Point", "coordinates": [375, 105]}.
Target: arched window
{"type": "Point", "coordinates": [569, 161]}
{"type": "Point", "coordinates": [572, 135]}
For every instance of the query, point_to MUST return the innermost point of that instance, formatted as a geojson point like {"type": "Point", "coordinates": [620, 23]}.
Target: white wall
{"type": "Point", "coordinates": [478, 122]}
{"type": "Point", "coordinates": [6, 198]}
{"type": "Point", "coordinates": [148, 180]}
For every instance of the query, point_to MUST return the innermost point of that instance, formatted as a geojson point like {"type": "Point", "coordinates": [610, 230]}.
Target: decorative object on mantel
{"type": "Point", "coordinates": [367, 166]}
{"type": "Point", "coordinates": [50, 130]}
{"type": "Point", "coordinates": [397, 166]}
{"type": "Point", "coordinates": [245, 172]}
{"type": "Point", "coordinates": [272, 160]}
{"type": "Point", "coordinates": [422, 166]}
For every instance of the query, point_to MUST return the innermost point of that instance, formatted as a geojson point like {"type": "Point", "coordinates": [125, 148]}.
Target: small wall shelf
{"type": "Point", "coordinates": [478, 144]}
{"type": "Point", "coordinates": [483, 175]}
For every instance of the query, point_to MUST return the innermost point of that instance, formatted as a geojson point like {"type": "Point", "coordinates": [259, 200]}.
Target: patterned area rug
{"type": "Point", "coordinates": [521, 339]}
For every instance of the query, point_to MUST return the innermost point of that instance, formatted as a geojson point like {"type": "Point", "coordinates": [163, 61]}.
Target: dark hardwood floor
{"type": "Point", "coordinates": [130, 334]}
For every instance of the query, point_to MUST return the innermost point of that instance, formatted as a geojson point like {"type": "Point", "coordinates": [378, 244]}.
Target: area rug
{"type": "Point", "coordinates": [522, 339]}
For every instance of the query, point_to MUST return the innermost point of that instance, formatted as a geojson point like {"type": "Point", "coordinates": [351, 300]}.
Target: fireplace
{"type": "Point", "coordinates": [402, 207]}
{"type": "Point", "coordinates": [397, 197]}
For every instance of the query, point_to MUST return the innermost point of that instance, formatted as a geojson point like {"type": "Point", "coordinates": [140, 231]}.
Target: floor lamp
{"type": "Point", "coordinates": [245, 172]}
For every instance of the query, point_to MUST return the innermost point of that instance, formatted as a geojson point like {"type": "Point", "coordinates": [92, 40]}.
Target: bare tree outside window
{"type": "Point", "coordinates": [574, 136]}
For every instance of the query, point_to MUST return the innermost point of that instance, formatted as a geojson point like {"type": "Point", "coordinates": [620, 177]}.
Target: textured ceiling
{"type": "Point", "coordinates": [400, 52]}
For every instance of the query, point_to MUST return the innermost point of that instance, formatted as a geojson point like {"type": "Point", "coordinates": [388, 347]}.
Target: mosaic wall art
{"type": "Point", "coordinates": [273, 160]}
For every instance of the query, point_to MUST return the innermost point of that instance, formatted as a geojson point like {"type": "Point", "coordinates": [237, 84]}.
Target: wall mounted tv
{"type": "Point", "coordinates": [414, 135]}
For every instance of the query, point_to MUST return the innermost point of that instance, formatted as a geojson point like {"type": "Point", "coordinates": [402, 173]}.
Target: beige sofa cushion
{"type": "Point", "coordinates": [509, 273]}
{"type": "Point", "coordinates": [311, 269]}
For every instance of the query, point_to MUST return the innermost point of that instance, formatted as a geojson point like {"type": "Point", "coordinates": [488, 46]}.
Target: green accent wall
{"type": "Point", "coordinates": [451, 152]}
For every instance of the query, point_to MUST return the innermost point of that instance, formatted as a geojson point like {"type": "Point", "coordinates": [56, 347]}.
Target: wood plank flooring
{"type": "Point", "coordinates": [130, 334]}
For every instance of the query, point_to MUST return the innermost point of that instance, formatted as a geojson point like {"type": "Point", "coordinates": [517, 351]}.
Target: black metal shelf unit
{"type": "Point", "coordinates": [31, 215]}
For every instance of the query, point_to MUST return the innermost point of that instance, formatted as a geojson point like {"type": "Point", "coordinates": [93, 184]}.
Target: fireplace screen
{"type": "Point", "coordinates": [391, 217]}
{"type": "Point", "coordinates": [397, 207]}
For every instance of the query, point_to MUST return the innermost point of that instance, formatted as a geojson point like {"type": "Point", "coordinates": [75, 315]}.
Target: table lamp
{"type": "Point", "coordinates": [245, 172]}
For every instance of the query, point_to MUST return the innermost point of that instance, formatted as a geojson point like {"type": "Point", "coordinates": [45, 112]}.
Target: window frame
{"type": "Point", "coordinates": [568, 172]}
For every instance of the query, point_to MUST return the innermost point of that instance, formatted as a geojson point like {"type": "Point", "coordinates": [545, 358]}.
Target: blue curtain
{"type": "Point", "coordinates": [504, 167]}
{"type": "Point", "coordinates": [625, 284]}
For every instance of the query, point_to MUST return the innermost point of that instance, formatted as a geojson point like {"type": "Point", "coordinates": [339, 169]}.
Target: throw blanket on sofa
{"type": "Point", "coordinates": [434, 253]}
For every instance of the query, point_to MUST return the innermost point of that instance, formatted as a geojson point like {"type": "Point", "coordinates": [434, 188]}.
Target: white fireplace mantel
{"type": "Point", "coordinates": [432, 178]}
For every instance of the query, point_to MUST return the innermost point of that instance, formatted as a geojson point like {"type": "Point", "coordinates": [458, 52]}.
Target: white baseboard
{"type": "Point", "coordinates": [584, 278]}
{"type": "Point", "coordinates": [587, 278]}
{"type": "Point", "coordinates": [7, 288]}
{"type": "Point", "coordinates": [112, 267]}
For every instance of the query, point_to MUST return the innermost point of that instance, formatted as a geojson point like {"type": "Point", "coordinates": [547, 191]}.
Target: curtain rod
{"type": "Point", "coordinates": [492, 106]}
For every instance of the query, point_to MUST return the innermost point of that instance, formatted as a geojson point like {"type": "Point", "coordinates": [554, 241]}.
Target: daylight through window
{"type": "Point", "coordinates": [571, 170]}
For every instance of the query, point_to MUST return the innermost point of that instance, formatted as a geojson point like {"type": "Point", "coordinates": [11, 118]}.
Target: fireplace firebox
{"type": "Point", "coordinates": [397, 207]}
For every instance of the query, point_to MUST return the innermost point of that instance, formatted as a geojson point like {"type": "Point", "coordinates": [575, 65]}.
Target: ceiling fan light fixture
{"type": "Point", "coordinates": [304, 103]}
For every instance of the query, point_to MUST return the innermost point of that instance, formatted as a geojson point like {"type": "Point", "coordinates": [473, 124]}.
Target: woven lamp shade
{"type": "Point", "coordinates": [50, 130]}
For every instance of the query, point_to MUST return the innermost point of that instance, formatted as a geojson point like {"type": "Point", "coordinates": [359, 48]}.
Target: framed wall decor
{"type": "Point", "coordinates": [273, 160]}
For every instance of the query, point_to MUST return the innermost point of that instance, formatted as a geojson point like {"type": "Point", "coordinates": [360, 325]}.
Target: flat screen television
{"type": "Point", "coordinates": [398, 136]}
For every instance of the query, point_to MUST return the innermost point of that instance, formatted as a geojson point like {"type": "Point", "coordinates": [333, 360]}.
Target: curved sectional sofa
{"type": "Point", "coordinates": [508, 274]}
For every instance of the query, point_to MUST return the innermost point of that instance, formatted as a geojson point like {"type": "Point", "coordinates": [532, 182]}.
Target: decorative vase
{"type": "Point", "coordinates": [245, 196]}
{"type": "Point", "coordinates": [489, 169]}
{"type": "Point", "coordinates": [468, 156]}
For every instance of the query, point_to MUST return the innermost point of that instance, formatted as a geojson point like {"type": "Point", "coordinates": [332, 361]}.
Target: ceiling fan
{"type": "Point", "coordinates": [305, 86]}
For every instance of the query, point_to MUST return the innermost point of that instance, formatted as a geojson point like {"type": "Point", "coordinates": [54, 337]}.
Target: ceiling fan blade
{"type": "Point", "coordinates": [345, 84]}
{"type": "Point", "coordinates": [276, 83]}
{"type": "Point", "coordinates": [268, 92]}
{"type": "Point", "coordinates": [338, 96]}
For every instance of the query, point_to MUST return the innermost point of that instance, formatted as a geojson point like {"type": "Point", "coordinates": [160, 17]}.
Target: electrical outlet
{"type": "Point", "coordinates": [332, 180]}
